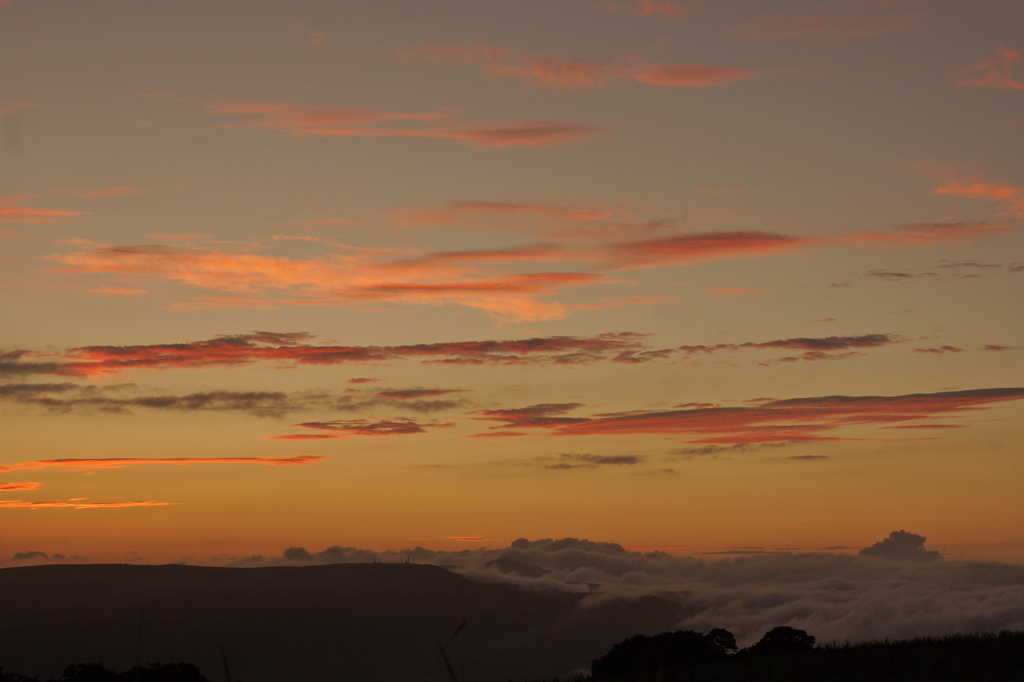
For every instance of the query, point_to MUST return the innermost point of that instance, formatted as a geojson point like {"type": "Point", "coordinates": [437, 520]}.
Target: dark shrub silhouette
{"type": "Point", "coordinates": [96, 672]}
{"type": "Point", "coordinates": [782, 640]}
{"type": "Point", "coordinates": [668, 650]}
{"type": "Point", "coordinates": [166, 672]}
{"type": "Point", "coordinates": [87, 672]}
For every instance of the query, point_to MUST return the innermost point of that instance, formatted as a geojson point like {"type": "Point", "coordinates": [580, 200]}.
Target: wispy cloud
{"type": "Point", "coordinates": [733, 291]}
{"type": "Point", "coordinates": [122, 191]}
{"type": "Point", "coordinates": [14, 209]}
{"type": "Point", "coordinates": [80, 504]}
{"type": "Point", "coordinates": [964, 184]}
{"type": "Point", "coordinates": [814, 348]}
{"type": "Point", "coordinates": [440, 124]}
{"type": "Point", "coordinates": [683, 249]}
{"type": "Point", "coordinates": [122, 462]}
{"type": "Point", "coordinates": [409, 393]}
{"type": "Point", "coordinates": [125, 398]}
{"type": "Point", "coordinates": [558, 72]}
{"type": "Point", "coordinates": [27, 485]}
{"type": "Point", "coordinates": [995, 72]}
{"type": "Point", "coordinates": [940, 350]}
{"type": "Point", "coordinates": [837, 21]}
{"type": "Point", "coordinates": [70, 397]}
{"type": "Point", "coordinates": [11, 107]}
{"type": "Point", "coordinates": [350, 276]}
{"type": "Point", "coordinates": [930, 234]}
{"type": "Point", "coordinates": [794, 420]}
{"type": "Point", "coordinates": [299, 348]}
{"type": "Point", "coordinates": [666, 9]}
{"type": "Point", "coordinates": [340, 428]}
{"type": "Point", "coordinates": [961, 269]}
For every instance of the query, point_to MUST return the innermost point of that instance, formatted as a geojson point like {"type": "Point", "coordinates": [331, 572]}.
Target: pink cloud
{"type": "Point", "coordinates": [860, 20]}
{"type": "Point", "coordinates": [996, 72]}
{"type": "Point", "coordinates": [691, 75]}
{"type": "Point", "coordinates": [294, 120]}
{"type": "Point", "coordinates": [700, 248]}
{"type": "Point", "coordinates": [799, 419]}
{"type": "Point", "coordinates": [297, 348]}
{"type": "Point", "coordinates": [564, 73]}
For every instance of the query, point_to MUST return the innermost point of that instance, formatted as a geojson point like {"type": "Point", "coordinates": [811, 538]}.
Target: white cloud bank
{"type": "Point", "coordinates": [894, 589]}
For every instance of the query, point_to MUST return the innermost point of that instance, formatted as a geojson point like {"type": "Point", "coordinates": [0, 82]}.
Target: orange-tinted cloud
{"type": "Point", "coordinates": [14, 210]}
{"type": "Point", "coordinates": [121, 462]}
{"type": "Point", "coordinates": [1010, 198]}
{"type": "Point", "coordinates": [27, 485]}
{"type": "Point", "coordinates": [563, 73]}
{"type": "Point", "coordinates": [13, 504]}
{"type": "Point", "coordinates": [800, 419]}
{"type": "Point", "coordinates": [930, 234]}
{"type": "Point", "coordinates": [116, 290]}
{"type": "Point", "coordinates": [288, 119]}
{"type": "Point", "coordinates": [349, 276]}
{"type": "Point", "coordinates": [996, 72]}
{"type": "Point", "coordinates": [691, 75]}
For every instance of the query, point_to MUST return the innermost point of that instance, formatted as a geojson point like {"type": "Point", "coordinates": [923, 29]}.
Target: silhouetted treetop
{"type": "Point", "coordinates": [782, 640]}
{"type": "Point", "coordinates": [669, 649]}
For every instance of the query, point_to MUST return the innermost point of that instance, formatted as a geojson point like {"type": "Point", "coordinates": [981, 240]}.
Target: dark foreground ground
{"type": "Point", "coordinates": [383, 622]}
{"type": "Point", "coordinates": [341, 622]}
{"type": "Point", "coordinates": [956, 658]}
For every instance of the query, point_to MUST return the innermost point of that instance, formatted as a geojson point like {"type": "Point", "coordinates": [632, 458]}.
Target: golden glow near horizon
{"type": "Point", "coordinates": [681, 275]}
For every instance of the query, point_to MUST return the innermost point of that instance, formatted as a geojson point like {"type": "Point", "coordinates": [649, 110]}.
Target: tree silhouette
{"type": "Point", "coordinates": [723, 640]}
{"type": "Point", "coordinates": [87, 672]}
{"type": "Point", "coordinates": [667, 650]}
{"type": "Point", "coordinates": [783, 640]}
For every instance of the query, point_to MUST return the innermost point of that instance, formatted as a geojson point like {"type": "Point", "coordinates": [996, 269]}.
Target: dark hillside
{"type": "Point", "coordinates": [363, 622]}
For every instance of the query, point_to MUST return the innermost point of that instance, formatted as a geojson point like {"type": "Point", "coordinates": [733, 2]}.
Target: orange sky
{"type": "Point", "coordinates": [668, 274]}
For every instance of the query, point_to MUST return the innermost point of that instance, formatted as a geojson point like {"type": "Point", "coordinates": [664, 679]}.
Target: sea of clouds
{"type": "Point", "coordinates": [894, 589]}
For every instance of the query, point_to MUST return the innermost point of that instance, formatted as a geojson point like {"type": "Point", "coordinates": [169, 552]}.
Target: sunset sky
{"type": "Point", "coordinates": [704, 276]}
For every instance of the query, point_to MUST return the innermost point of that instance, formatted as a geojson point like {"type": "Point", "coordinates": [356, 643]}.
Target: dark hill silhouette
{"type": "Point", "coordinates": [360, 622]}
